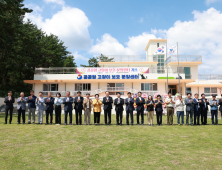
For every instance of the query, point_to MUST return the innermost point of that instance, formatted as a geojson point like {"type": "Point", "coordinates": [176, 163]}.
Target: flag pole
{"type": "Point", "coordinates": [167, 69]}
{"type": "Point", "coordinates": [178, 67]}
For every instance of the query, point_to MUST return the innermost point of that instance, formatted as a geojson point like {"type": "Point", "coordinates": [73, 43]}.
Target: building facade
{"type": "Point", "coordinates": [131, 73]}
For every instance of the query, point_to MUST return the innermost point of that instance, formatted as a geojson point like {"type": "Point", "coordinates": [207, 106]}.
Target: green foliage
{"type": "Point", "coordinates": [165, 78]}
{"type": "Point", "coordinates": [93, 62]}
{"type": "Point", "coordinates": [24, 47]}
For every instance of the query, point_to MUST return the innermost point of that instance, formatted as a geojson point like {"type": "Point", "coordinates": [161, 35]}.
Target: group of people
{"type": "Point", "coordinates": [194, 108]}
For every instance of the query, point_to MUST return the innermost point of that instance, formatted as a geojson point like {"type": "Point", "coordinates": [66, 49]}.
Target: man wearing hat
{"type": "Point", "coordinates": [78, 108]}
{"type": "Point", "coordinates": [87, 103]}
{"type": "Point", "coordinates": [204, 108]}
{"type": "Point", "coordinates": [214, 109]}
{"type": "Point", "coordinates": [129, 108]}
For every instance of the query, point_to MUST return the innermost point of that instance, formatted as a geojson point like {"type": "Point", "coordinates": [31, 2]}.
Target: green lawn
{"type": "Point", "coordinates": [110, 147]}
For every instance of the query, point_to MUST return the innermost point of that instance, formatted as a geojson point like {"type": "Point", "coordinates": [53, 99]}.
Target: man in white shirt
{"type": "Point", "coordinates": [40, 107]}
{"type": "Point", "coordinates": [87, 102]}
{"type": "Point", "coordinates": [170, 108]}
{"type": "Point", "coordinates": [180, 110]}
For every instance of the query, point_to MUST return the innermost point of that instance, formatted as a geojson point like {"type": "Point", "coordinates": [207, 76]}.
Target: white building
{"type": "Point", "coordinates": [145, 73]}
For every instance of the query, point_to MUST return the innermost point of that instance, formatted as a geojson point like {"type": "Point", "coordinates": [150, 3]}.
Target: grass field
{"type": "Point", "coordinates": [110, 147]}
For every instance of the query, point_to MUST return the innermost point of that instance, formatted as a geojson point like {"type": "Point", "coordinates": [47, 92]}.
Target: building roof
{"type": "Point", "coordinates": [154, 40]}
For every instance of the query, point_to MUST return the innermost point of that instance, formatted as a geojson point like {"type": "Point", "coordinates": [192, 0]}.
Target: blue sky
{"type": "Point", "coordinates": [89, 27]}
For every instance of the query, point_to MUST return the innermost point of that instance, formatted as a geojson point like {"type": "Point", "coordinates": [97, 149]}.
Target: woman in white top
{"type": "Point", "coordinates": [180, 110]}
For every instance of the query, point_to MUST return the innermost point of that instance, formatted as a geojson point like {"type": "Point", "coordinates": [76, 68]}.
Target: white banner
{"type": "Point", "coordinates": [112, 70]}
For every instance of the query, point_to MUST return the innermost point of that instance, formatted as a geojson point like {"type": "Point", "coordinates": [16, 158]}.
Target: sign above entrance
{"type": "Point", "coordinates": [90, 77]}
{"type": "Point", "coordinates": [112, 70]}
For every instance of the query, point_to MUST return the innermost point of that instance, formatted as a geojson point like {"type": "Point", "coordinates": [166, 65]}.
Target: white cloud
{"type": "Point", "coordinates": [201, 36]}
{"type": "Point", "coordinates": [208, 2]}
{"type": "Point", "coordinates": [141, 20]}
{"type": "Point", "coordinates": [59, 2]}
{"type": "Point", "coordinates": [110, 46]}
{"type": "Point", "coordinates": [78, 56]}
{"type": "Point", "coordinates": [69, 24]}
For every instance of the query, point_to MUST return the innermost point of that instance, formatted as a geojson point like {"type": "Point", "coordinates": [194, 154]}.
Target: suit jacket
{"type": "Point", "coordinates": [49, 105]}
{"type": "Point", "coordinates": [68, 104]}
{"type": "Point", "coordinates": [31, 102]}
{"type": "Point", "coordinates": [119, 106]}
{"type": "Point", "coordinates": [189, 105]}
{"type": "Point", "coordinates": [107, 105]}
{"type": "Point", "coordinates": [129, 104]}
{"type": "Point", "coordinates": [78, 105]}
{"type": "Point", "coordinates": [85, 104]}
{"type": "Point", "coordinates": [220, 103]}
{"type": "Point", "coordinates": [196, 104]}
{"type": "Point", "coordinates": [159, 106]}
{"type": "Point", "coordinates": [40, 103]}
{"type": "Point", "coordinates": [9, 103]}
{"type": "Point", "coordinates": [202, 105]}
{"type": "Point", "coordinates": [21, 103]}
{"type": "Point", "coordinates": [140, 106]}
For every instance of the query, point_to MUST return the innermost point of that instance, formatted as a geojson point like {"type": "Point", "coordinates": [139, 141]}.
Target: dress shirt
{"type": "Point", "coordinates": [214, 106]}
{"type": "Point", "coordinates": [168, 100]}
{"type": "Point", "coordinates": [58, 101]}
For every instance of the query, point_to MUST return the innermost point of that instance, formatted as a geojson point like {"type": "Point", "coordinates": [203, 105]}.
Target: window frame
{"type": "Point", "coordinates": [50, 87]}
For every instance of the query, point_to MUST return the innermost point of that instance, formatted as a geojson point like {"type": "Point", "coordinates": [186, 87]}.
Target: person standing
{"type": "Point", "coordinates": [159, 110]}
{"type": "Point", "coordinates": [180, 110]}
{"type": "Point", "coordinates": [87, 103]}
{"type": "Point", "coordinates": [9, 100]}
{"type": "Point", "coordinates": [204, 109]}
{"type": "Point", "coordinates": [97, 109]}
{"type": "Point", "coordinates": [119, 102]}
{"type": "Point", "coordinates": [150, 109]}
{"type": "Point", "coordinates": [78, 108]}
{"type": "Point", "coordinates": [49, 101]}
{"type": "Point", "coordinates": [189, 109]}
{"type": "Point", "coordinates": [140, 101]}
{"type": "Point", "coordinates": [21, 107]}
{"type": "Point", "coordinates": [68, 101]}
{"type": "Point", "coordinates": [214, 109]}
{"type": "Point", "coordinates": [107, 101]}
{"type": "Point", "coordinates": [197, 109]}
{"type": "Point", "coordinates": [129, 108]}
{"type": "Point", "coordinates": [31, 107]}
{"type": "Point", "coordinates": [170, 108]}
{"type": "Point", "coordinates": [40, 108]}
{"type": "Point", "coordinates": [220, 108]}
{"type": "Point", "coordinates": [58, 110]}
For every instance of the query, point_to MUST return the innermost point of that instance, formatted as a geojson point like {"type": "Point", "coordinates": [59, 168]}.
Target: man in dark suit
{"type": "Point", "coordinates": [107, 101]}
{"type": "Point", "coordinates": [9, 100]}
{"type": "Point", "coordinates": [49, 101]}
{"type": "Point", "coordinates": [129, 108]}
{"type": "Point", "coordinates": [220, 108]}
{"type": "Point", "coordinates": [119, 102]}
{"type": "Point", "coordinates": [68, 101]}
{"type": "Point", "coordinates": [31, 106]}
{"type": "Point", "coordinates": [197, 109]}
{"type": "Point", "coordinates": [140, 108]}
{"type": "Point", "coordinates": [78, 108]}
{"type": "Point", "coordinates": [21, 107]}
{"type": "Point", "coordinates": [204, 108]}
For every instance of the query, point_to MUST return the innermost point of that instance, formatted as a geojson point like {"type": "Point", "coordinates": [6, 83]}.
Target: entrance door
{"type": "Point", "coordinates": [172, 89]}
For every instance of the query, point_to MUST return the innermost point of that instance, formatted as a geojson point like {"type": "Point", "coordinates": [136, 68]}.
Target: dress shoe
{"type": "Point", "coordinates": [65, 123]}
{"type": "Point", "coordinates": [120, 124]}
{"type": "Point", "coordinates": [9, 122]}
{"type": "Point", "coordinates": [29, 122]}
{"type": "Point", "coordinates": [127, 123]}
{"type": "Point", "coordinates": [138, 124]}
{"type": "Point", "coordinates": [5, 123]}
{"type": "Point", "coordinates": [23, 123]}
{"type": "Point", "coordinates": [70, 123]}
{"type": "Point", "coordinates": [18, 123]}
{"type": "Point", "coordinates": [46, 124]}
{"type": "Point", "coordinates": [50, 123]}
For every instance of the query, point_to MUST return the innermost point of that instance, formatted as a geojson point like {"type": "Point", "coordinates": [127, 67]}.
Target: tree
{"type": "Point", "coordinates": [69, 61]}
{"type": "Point", "coordinates": [93, 62]}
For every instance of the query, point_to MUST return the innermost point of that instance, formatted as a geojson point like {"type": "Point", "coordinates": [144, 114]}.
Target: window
{"type": "Point", "coordinates": [161, 64]}
{"type": "Point", "coordinates": [122, 93]}
{"type": "Point", "coordinates": [115, 86]}
{"type": "Point", "coordinates": [210, 91]}
{"type": "Point", "coordinates": [158, 45]}
{"type": "Point", "coordinates": [187, 72]}
{"type": "Point", "coordinates": [50, 87]}
{"type": "Point", "coordinates": [188, 90]}
{"type": "Point", "coordinates": [148, 86]}
{"type": "Point", "coordinates": [82, 87]}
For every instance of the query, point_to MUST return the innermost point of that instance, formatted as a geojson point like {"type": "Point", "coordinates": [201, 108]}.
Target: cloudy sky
{"type": "Point", "coordinates": [91, 27]}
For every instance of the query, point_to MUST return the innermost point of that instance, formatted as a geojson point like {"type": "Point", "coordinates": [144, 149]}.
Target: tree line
{"type": "Point", "coordinates": [23, 46]}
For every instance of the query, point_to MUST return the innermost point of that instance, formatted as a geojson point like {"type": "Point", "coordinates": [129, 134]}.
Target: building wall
{"type": "Point", "coordinates": [194, 72]}
{"type": "Point", "coordinates": [38, 88]}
